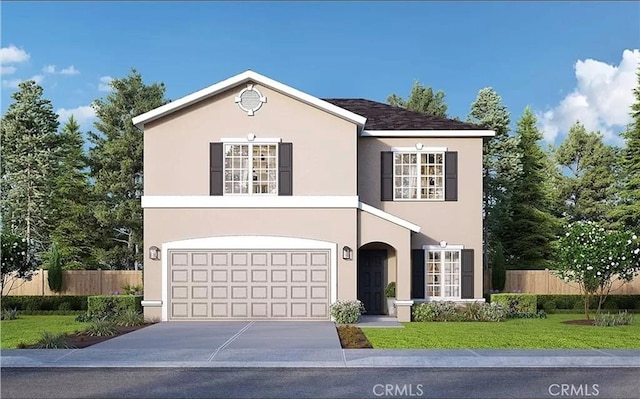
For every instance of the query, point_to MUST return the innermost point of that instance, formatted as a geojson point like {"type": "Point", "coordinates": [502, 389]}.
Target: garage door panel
{"type": "Point", "coordinates": [237, 284]}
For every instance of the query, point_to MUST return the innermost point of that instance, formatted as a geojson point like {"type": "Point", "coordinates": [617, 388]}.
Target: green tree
{"type": "Point", "coordinates": [421, 99]}
{"type": "Point", "coordinates": [585, 189]}
{"type": "Point", "coordinates": [594, 258]}
{"type": "Point", "coordinates": [29, 153]}
{"type": "Point", "coordinates": [116, 165]}
{"type": "Point", "coordinates": [528, 240]}
{"type": "Point", "coordinates": [18, 260]}
{"type": "Point", "coordinates": [628, 212]}
{"type": "Point", "coordinates": [501, 166]}
{"type": "Point", "coordinates": [75, 224]}
{"type": "Point", "coordinates": [498, 269]}
{"type": "Point", "coordinates": [54, 263]}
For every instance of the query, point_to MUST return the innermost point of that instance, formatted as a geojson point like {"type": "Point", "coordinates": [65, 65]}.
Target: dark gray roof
{"type": "Point", "coordinates": [385, 117]}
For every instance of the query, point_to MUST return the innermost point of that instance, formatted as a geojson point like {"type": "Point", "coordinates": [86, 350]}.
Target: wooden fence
{"type": "Point", "coordinates": [546, 282]}
{"type": "Point", "coordinates": [79, 282]}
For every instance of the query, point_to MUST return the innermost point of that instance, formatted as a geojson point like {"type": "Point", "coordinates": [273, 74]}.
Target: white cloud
{"type": "Point", "coordinates": [13, 83]}
{"type": "Point", "coordinates": [69, 71]}
{"type": "Point", "coordinates": [49, 69]}
{"type": "Point", "coordinates": [12, 55]}
{"type": "Point", "coordinates": [84, 114]}
{"type": "Point", "coordinates": [7, 70]}
{"type": "Point", "coordinates": [601, 100]}
{"type": "Point", "coordinates": [105, 83]}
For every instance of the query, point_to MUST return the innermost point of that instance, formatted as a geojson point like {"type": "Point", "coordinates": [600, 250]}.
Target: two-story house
{"type": "Point", "coordinates": [264, 202]}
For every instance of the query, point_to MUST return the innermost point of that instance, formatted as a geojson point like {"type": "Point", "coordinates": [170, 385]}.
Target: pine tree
{"type": "Point", "coordinates": [54, 277]}
{"type": "Point", "coordinates": [116, 165]}
{"type": "Point", "coordinates": [628, 212]}
{"type": "Point", "coordinates": [530, 234]}
{"type": "Point", "coordinates": [585, 191]}
{"type": "Point", "coordinates": [421, 99]}
{"type": "Point", "coordinates": [75, 224]}
{"type": "Point", "coordinates": [29, 152]}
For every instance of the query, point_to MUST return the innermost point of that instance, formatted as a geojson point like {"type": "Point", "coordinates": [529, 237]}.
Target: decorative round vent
{"type": "Point", "coordinates": [250, 99]}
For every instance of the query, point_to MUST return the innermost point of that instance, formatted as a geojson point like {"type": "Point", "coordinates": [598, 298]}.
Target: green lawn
{"type": "Point", "coordinates": [28, 329]}
{"type": "Point", "coordinates": [547, 333]}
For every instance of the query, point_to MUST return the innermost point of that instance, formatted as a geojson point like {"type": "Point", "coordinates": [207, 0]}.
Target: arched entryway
{"type": "Point", "coordinates": [376, 268]}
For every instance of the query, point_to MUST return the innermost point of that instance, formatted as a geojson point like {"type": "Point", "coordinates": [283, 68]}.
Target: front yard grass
{"type": "Point", "coordinates": [547, 333]}
{"type": "Point", "coordinates": [28, 329]}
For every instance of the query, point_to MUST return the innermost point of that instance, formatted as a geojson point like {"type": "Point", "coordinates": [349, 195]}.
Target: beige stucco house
{"type": "Point", "coordinates": [264, 202]}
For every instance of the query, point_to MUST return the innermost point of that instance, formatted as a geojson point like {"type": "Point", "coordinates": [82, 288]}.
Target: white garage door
{"type": "Point", "coordinates": [248, 284]}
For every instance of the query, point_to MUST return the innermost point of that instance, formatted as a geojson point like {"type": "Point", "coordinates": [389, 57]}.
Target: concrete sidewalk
{"type": "Point", "coordinates": [322, 358]}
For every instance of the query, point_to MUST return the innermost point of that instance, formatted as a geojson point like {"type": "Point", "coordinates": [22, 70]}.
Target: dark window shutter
{"type": "Point", "coordinates": [386, 176]}
{"type": "Point", "coordinates": [466, 278]}
{"type": "Point", "coordinates": [418, 266]}
{"type": "Point", "coordinates": [451, 176]}
{"type": "Point", "coordinates": [285, 169]}
{"type": "Point", "coordinates": [216, 165]}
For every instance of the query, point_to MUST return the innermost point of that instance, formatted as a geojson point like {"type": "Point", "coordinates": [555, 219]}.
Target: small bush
{"type": "Point", "coordinates": [390, 290]}
{"type": "Point", "coordinates": [435, 311]}
{"type": "Point", "coordinates": [55, 277]}
{"type": "Point", "coordinates": [129, 318]}
{"type": "Point", "coordinates": [516, 303]}
{"type": "Point", "coordinates": [112, 305]}
{"type": "Point", "coordinates": [472, 311]}
{"type": "Point", "coordinates": [347, 312]}
{"type": "Point", "coordinates": [493, 312]}
{"type": "Point", "coordinates": [132, 289]}
{"type": "Point", "coordinates": [609, 320]}
{"type": "Point", "coordinates": [9, 314]}
{"type": "Point", "coordinates": [51, 341]}
{"type": "Point", "coordinates": [101, 328]}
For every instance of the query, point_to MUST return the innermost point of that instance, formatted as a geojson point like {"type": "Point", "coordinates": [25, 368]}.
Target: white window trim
{"type": "Point", "coordinates": [448, 247]}
{"type": "Point", "coordinates": [249, 139]}
{"type": "Point", "coordinates": [415, 149]}
{"type": "Point", "coordinates": [441, 150]}
{"type": "Point", "coordinates": [245, 242]}
{"type": "Point", "coordinates": [250, 193]}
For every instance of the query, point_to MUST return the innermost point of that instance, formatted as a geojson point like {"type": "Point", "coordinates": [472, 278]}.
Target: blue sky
{"type": "Point", "coordinates": [573, 60]}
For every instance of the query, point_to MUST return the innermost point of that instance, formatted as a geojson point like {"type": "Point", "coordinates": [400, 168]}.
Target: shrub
{"type": "Point", "coordinates": [132, 289]}
{"type": "Point", "coordinates": [608, 319]}
{"type": "Point", "coordinates": [113, 305]}
{"type": "Point", "coordinates": [38, 303]}
{"type": "Point", "coordinates": [493, 312]}
{"type": "Point", "coordinates": [549, 306]}
{"type": "Point", "coordinates": [55, 278]}
{"type": "Point", "coordinates": [498, 269]}
{"type": "Point", "coordinates": [435, 311]}
{"type": "Point", "coordinates": [129, 318]}
{"type": "Point", "coordinates": [472, 311]}
{"type": "Point", "coordinates": [347, 312]}
{"type": "Point", "coordinates": [390, 290]}
{"type": "Point", "coordinates": [101, 328]}
{"type": "Point", "coordinates": [9, 314]}
{"type": "Point", "coordinates": [51, 341]}
{"type": "Point", "coordinates": [64, 306]}
{"type": "Point", "coordinates": [50, 312]}
{"type": "Point", "coordinates": [516, 303]}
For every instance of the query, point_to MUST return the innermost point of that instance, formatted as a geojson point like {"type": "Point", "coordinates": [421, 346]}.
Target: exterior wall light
{"type": "Point", "coordinates": [154, 253]}
{"type": "Point", "coordinates": [443, 244]}
{"type": "Point", "coordinates": [347, 253]}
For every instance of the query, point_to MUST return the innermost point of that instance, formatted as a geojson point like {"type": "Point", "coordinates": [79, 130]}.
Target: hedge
{"type": "Point", "coordinates": [516, 303]}
{"type": "Point", "coordinates": [40, 303]}
{"type": "Point", "coordinates": [551, 303]}
{"type": "Point", "coordinates": [113, 304]}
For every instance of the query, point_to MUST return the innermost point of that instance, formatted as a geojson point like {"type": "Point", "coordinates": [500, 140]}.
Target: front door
{"type": "Point", "coordinates": [371, 266]}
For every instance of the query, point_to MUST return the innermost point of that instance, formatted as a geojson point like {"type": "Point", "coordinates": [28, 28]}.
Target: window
{"type": "Point", "coordinates": [418, 175]}
{"type": "Point", "coordinates": [443, 273]}
{"type": "Point", "coordinates": [251, 169]}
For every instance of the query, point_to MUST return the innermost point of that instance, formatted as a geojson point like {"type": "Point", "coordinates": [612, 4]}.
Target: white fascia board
{"type": "Point", "coordinates": [219, 87]}
{"type": "Point", "coordinates": [427, 133]}
{"type": "Point", "coordinates": [247, 201]}
{"type": "Point", "coordinates": [389, 217]}
{"type": "Point", "coordinates": [448, 247]}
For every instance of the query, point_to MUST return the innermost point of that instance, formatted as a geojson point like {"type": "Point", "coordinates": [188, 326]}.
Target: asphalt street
{"type": "Point", "coordinates": [612, 383]}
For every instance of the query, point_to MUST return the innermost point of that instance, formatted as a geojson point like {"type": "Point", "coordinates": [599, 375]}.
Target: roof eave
{"type": "Point", "coordinates": [428, 133]}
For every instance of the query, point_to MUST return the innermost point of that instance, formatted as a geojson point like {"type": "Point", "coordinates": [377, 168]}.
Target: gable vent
{"type": "Point", "coordinates": [250, 99]}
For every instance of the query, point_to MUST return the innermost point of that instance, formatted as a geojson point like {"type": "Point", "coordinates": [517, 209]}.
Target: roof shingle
{"type": "Point", "coordinates": [385, 117]}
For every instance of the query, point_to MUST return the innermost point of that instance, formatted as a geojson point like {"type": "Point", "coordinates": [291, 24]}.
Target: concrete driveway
{"type": "Point", "coordinates": [231, 335]}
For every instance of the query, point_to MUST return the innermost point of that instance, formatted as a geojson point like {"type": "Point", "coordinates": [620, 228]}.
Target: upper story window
{"type": "Point", "coordinates": [418, 175]}
{"type": "Point", "coordinates": [251, 169]}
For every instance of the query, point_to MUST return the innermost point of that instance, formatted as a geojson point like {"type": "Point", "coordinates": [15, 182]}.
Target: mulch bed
{"type": "Point", "coordinates": [579, 322]}
{"type": "Point", "coordinates": [82, 340]}
{"type": "Point", "coordinates": [352, 337]}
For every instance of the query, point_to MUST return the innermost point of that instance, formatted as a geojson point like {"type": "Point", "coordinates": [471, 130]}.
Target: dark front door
{"type": "Point", "coordinates": [371, 265]}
